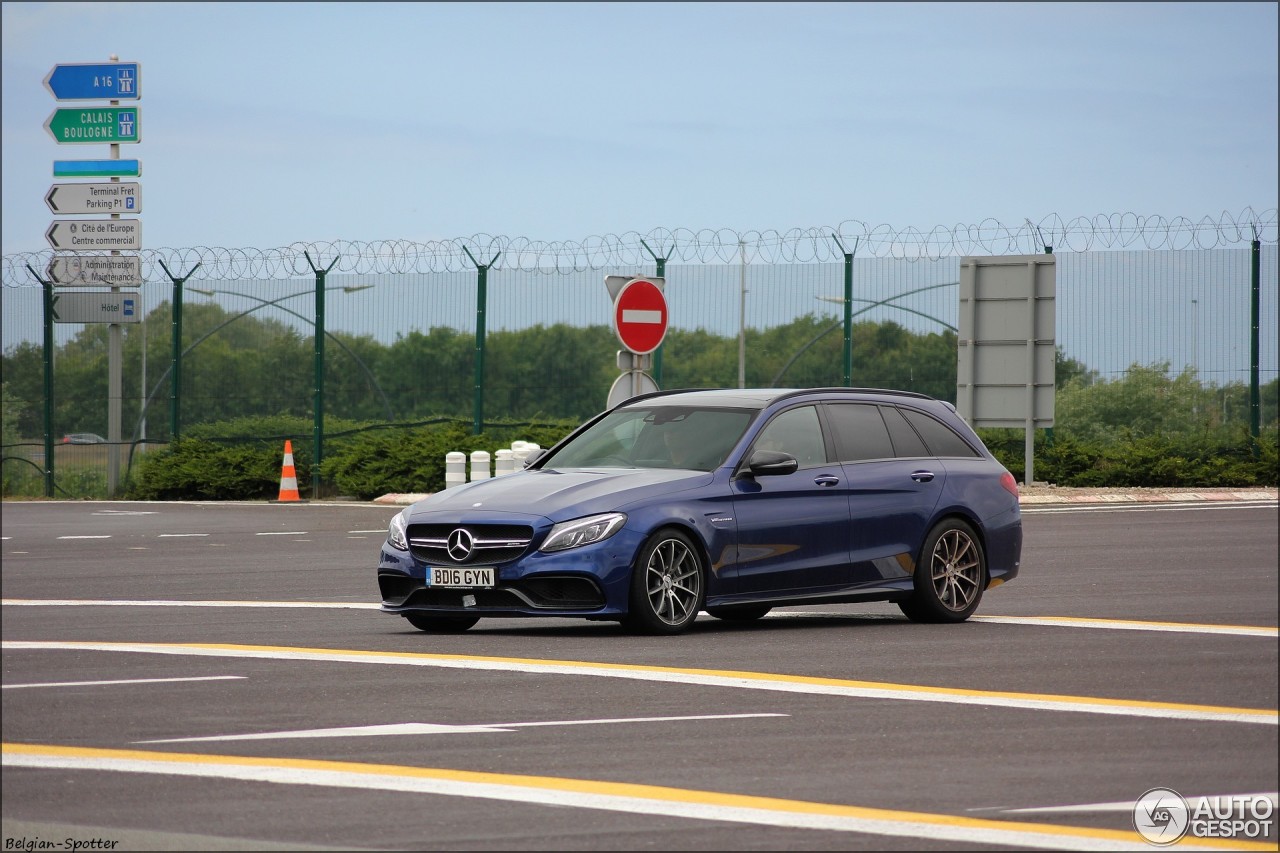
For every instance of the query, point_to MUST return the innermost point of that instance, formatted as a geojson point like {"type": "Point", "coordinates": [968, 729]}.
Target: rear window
{"type": "Point", "coordinates": [942, 439]}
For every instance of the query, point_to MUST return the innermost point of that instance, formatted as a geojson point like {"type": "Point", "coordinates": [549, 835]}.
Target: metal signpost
{"type": "Point", "coordinates": [97, 168]}
{"type": "Point", "coordinates": [94, 81]}
{"type": "Point", "coordinates": [1007, 346]}
{"type": "Point", "coordinates": [640, 320]}
{"type": "Point", "coordinates": [95, 270]}
{"type": "Point", "coordinates": [82, 307]}
{"type": "Point", "coordinates": [65, 199]}
{"type": "Point", "coordinates": [93, 124]}
{"type": "Point", "coordinates": [84, 235]}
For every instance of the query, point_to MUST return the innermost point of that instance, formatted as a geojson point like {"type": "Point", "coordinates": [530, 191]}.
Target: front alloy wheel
{"type": "Point", "coordinates": [950, 576]}
{"type": "Point", "coordinates": [666, 584]}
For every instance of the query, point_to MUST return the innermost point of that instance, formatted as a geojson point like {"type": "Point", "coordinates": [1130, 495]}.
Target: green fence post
{"type": "Point", "coordinates": [317, 430]}
{"type": "Point", "coordinates": [848, 309]}
{"type": "Point", "coordinates": [1255, 284]}
{"type": "Point", "coordinates": [482, 298]}
{"type": "Point", "coordinates": [49, 301]}
{"type": "Point", "coordinates": [175, 359]}
{"type": "Point", "coordinates": [661, 265]}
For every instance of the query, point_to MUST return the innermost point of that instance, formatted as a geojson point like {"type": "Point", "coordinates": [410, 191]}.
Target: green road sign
{"type": "Point", "coordinates": [94, 125]}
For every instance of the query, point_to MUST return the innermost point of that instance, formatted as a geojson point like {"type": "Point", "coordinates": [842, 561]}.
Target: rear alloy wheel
{"type": "Point", "coordinates": [433, 624]}
{"type": "Point", "coordinates": [950, 576]}
{"type": "Point", "coordinates": [667, 586]}
{"type": "Point", "coordinates": [740, 612]}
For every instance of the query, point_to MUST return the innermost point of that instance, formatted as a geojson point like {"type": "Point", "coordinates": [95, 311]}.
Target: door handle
{"type": "Point", "coordinates": [826, 480]}
{"type": "Point", "coordinates": [922, 476]}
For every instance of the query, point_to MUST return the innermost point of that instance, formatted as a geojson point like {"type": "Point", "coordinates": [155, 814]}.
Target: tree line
{"type": "Point", "coordinates": [239, 366]}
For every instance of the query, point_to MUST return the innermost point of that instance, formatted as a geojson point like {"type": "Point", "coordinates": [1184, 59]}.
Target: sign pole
{"type": "Point", "coordinates": [115, 367]}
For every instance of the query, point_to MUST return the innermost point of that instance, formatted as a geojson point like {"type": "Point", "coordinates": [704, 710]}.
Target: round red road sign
{"type": "Point", "coordinates": [640, 316]}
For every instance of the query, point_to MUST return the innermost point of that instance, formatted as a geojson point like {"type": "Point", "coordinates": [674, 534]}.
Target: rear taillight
{"type": "Point", "coordinates": [1010, 484]}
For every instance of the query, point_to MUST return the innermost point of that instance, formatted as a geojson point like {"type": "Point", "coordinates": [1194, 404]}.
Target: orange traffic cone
{"type": "Point", "coordinates": [288, 476]}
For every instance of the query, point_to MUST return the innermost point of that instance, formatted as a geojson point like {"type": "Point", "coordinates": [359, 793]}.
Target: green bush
{"type": "Point", "coordinates": [200, 469]}
{"type": "Point", "coordinates": [1223, 458]}
{"type": "Point", "coordinates": [241, 459]}
{"type": "Point", "coordinates": [412, 459]}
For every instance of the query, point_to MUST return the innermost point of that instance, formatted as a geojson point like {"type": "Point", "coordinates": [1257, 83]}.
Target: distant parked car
{"type": "Point", "coordinates": [732, 502]}
{"type": "Point", "coordinates": [83, 438]}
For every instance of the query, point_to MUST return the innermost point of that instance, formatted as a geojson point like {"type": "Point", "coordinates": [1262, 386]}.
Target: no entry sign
{"type": "Point", "coordinates": [640, 316]}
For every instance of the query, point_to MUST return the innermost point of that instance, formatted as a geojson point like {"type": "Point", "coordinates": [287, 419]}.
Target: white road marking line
{"type": "Point", "coordinates": [107, 536]}
{"type": "Point", "coordinates": [1133, 625]}
{"type": "Point", "coordinates": [443, 728]}
{"type": "Point", "coordinates": [181, 535]}
{"type": "Point", "coordinates": [111, 602]}
{"type": "Point", "coordinates": [773, 682]}
{"type": "Point", "coordinates": [379, 530]}
{"type": "Point", "coordinates": [1127, 805]}
{"type": "Point", "coordinates": [589, 794]}
{"type": "Point", "coordinates": [1086, 622]}
{"type": "Point", "coordinates": [1058, 621]}
{"type": "Point", "coordinates": [1038, 509]}
{"type": "Point", "coordinates": [284, 533]}
{"type": "Point", "coordinates": [120, 681]}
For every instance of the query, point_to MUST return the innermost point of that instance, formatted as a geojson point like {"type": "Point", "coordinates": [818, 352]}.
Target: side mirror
{"type": "Point", "coordinates": [764, 463]}
{"type": "Point", "coordinates": [534, 456]}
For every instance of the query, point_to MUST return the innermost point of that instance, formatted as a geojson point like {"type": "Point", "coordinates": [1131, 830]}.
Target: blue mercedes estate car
{"type": "Point", "coordinates": [728, 501]}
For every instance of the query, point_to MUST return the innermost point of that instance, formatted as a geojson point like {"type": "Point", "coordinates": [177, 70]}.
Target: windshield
{"type": "Point", "coordinates": [656, 437]}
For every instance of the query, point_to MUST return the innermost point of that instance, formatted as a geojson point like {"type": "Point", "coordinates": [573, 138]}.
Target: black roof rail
{"type": "Point", "coordinates": [800, 391]}
{"type": "Point", "coordinates": [793, 393]}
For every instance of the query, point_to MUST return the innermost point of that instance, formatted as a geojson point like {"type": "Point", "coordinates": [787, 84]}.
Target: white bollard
{"type": "Point", "coordinates": [504, 463]}
{"type": "Point", "coordinates": [520, 452]}
{"type": "Point", "coordinates": [479, 465]}
{"type": "Point", "coordinates": [455, 469]}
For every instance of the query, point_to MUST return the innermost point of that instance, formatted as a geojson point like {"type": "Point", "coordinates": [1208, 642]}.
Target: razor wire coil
{"type": "Point", "coordinates": [682, 245]}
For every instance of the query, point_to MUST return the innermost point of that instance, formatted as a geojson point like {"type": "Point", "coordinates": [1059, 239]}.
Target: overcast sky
{"type": "Point", "coordinates": [266, 124]}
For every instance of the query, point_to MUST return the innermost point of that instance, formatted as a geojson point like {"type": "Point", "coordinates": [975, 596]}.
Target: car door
{"type": "Point", "coordinates": [893, 484]}
{"type": "Point", "coordinates": [792, 528]}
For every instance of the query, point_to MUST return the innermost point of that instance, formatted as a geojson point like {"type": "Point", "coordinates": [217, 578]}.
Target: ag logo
{"type": "Point", "coordinates": [1161, 816]}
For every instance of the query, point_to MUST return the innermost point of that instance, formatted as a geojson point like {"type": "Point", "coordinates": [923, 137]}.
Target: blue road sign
{"type": "Point", "coordinates": [94, 81]}
{"type": "Point", "coordinates": [97, 168]}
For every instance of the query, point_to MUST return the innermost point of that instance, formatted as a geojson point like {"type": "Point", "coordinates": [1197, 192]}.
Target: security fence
{"type": "Point", "coordinates": [406, 324]}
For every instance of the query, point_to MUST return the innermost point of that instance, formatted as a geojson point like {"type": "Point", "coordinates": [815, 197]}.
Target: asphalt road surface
{"type": "Point", "coordinates": [218, 676]}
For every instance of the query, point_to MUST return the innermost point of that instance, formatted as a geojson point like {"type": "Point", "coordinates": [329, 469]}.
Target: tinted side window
{"type": "Point", "coordinates": [905, 440]}
{"type": "Point", "coordinates": [795, 431]}
{"type": "Point", "coordinates": [860, 432]}
{"type": "Point", "coordinates": [942, 439]}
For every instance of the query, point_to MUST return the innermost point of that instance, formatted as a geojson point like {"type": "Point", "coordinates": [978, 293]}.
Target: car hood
{"type": "Point", "coordinates": [559, 494]}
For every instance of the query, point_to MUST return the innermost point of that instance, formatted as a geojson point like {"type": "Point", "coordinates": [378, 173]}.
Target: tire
{"type": "Point", "coordinates": [950, 575]}
{"type": "Point", "coordinates": [433, 624]}
{"type": "Point", "coordinates": [668, 585]}
{"type": "Point", "coordinates": [740, 612]}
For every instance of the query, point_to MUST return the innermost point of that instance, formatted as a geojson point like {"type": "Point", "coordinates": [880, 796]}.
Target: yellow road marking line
{"type": "Point", "coordinates": [583, 793]}
{"type": "Point", "coordinates": [702, 677]}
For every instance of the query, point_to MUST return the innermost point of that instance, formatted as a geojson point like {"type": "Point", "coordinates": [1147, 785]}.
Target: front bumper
{"type": "Point", "coordinates": [593, 580]}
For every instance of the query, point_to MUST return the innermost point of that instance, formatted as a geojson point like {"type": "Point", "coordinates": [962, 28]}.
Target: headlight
{"type": "Point", "coordinates": [583, 531]}
{"type": "Point", "coordinates": [396, 532]}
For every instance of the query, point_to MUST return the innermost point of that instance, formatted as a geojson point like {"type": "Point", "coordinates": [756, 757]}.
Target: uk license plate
{"type": "Point", "coordinates": [462, 578]}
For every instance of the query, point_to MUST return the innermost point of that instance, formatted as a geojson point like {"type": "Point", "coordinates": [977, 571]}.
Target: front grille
{"type": "Point", "coordinates": [489, 543]}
